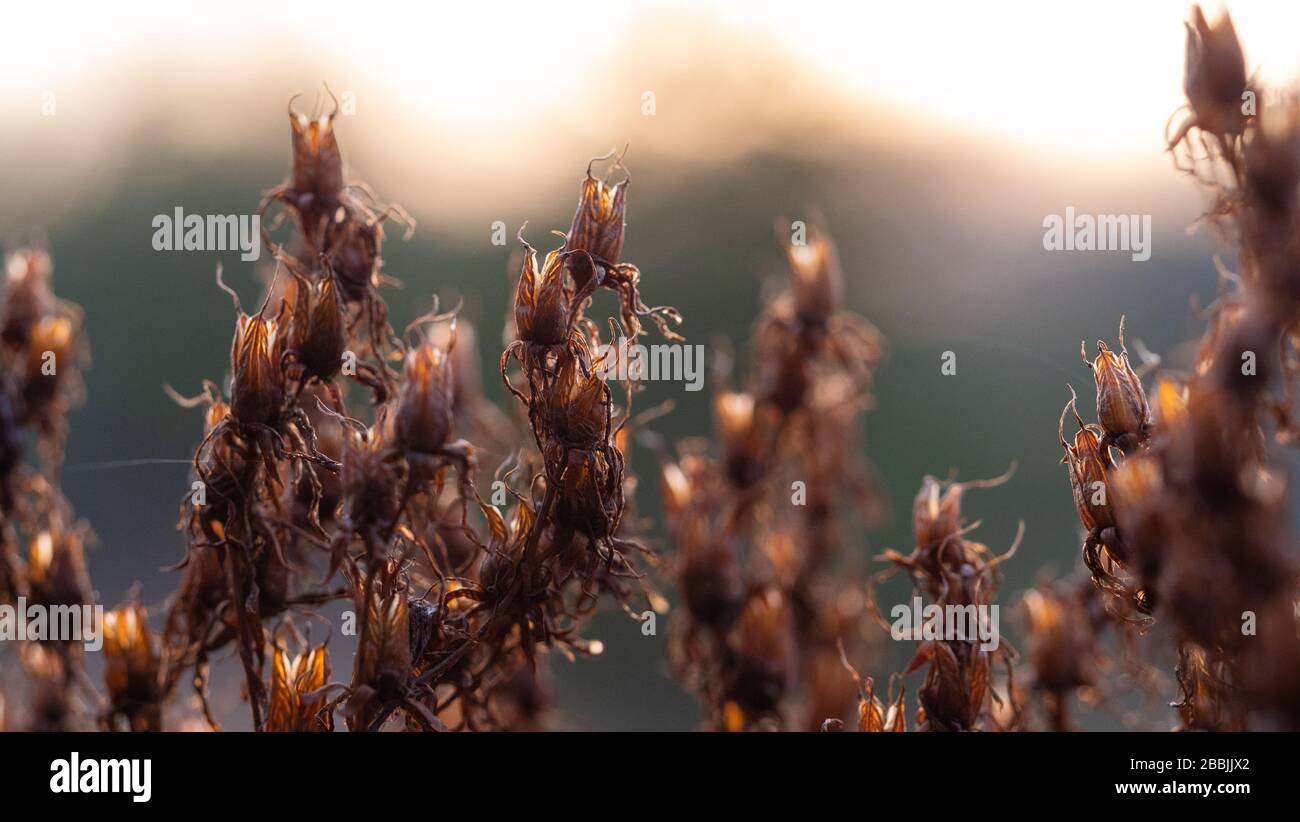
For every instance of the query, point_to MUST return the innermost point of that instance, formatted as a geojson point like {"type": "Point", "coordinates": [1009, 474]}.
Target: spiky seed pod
{"type": "Point", "coordinates": [712, 580]}
{"type": "Point", "coordinates": [384, 663]}
{"type": "Point", "coordinates": [542, 306]}
{"type": "Point", "coordinates": [1122, 407]}
{"type": "Point", "coordinates": [1089, 478]}
{"type": "Point", "coordinates": [1169, 410]}
{"type": "Point", "coordinates": [56, 568]}
{"type": "Point", "coordinates": [936, 512]}
{"type": "Point", "coordinates": [51, 357]}
{"type": "Point", "coordinates": [816, 280]}
{"type": "Point", "coordinates": [318, 326]}
{"type": "Point", "coordinates": [257, 388]}
{"type": "Point", "coordinates": [955, 687]}
{"type": "Point", "coordinates": [1061, 649]}
{"type": "Point", "coordinates": [353, 245]}
{"type": "Point", "coordinates": [423, 414]}
{"type": "Point", "coordinates": [592, 248]}
{"type": "Point", "coordinates": [598, 227]}
{"type": "Point", "coordinates": [317, 176]}
{"type": "Point", "coordinates": [131, 667]}
{"type": "Point", "coordinates": [370, 483]}
{"type": "Point", "coordinates": [294, 678]}
{"type": "Point", "coordinates": [763, 641]}
{"type": "Point", "coordinates": [1214, 76]}
{"type": "Point", "coordinates": [739, 422]}
{"type": "Point", "coordinates": [27, 294]}
{"type": "Point", "coordinates": [577, 408]}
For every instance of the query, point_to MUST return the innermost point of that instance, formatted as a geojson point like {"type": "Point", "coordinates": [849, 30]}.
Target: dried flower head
{"type": "Point", "coordinates": [296, 681]}
{"type": "Point", "coordinates": [27, 295]}
{"type": "Point", "coordinates": [1214, 77]}
{"type": "Point", "coordinates": [597, 230]}
{"type": "Point", "coordinates": [317, 176]}
{"type": "Point", "coordinates": [131, 668]}
{"type": "Point", "coordinates": [1122, 407]}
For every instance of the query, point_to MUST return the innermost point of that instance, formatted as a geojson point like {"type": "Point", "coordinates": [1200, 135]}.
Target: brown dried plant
{"type": "Point", "coordinates": [342, 462]}
{"type": "Point", "coordinates": [1188, 524]}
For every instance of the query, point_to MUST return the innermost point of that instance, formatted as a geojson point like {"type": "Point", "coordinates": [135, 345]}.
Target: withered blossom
{"type": "Point", "coordinates": [296, 703]}
{"type": "Point", "coordinates": [131, 668]}
{"type": "Point", "coordinates": [1122, 407]}
{"type": "Point", "coordinates": [1214, 78]}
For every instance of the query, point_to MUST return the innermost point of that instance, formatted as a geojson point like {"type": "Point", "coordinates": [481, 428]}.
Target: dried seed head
{"type": "Point", "coordinates": [1089, 479]}
{"type": "Point", "coordinates": [1122, 407]}
{"type": "Point", "coordinates": [495, 572]}
{"type": "Point", "coordinates": [542, 309]}
{"type": "Point", "coordinates": [816, 280]}
{"type": "Point", "coordinates": [1060, 642]}
{"type": "Point", "coordinates": [293, 679]}
{"type": "Point", "coordinates": [738, 422]}
{"type": "Point", "coordinates": [1214, 76]}
{"type": "Point", "coordinates": [1142, 508]}
{"type": "Point", "coordinates": [52, 706]}
{"type": "Point", "coordinates": [955, 687]}
{"type": "Point", "coordinates": [317, 162]}
{"type": "Point", "coordinates": [712, 580]}
{"type": "Point", "coordinates": [28, 297]}
{"type": "Point", "coordinates": [318, 327]}
{"type": "Point", "coordinates": [423, 415]}
{"type": "Point", "coordinates": [763, 639]}
{"type": "Point", "coordinates": [597, 225]}
{"type": "Point", "coordinates": [51, 354]}
{"type": "Point", "coordinates": [734, 412]}
{"type": "Point", "coordinates": [385, 662]}
{"type": "Point", "coordinates": [131, 667]}
{"type": "Point", "coordinates": [56, 568]}
{"type": "Point", "coordinates": [578, 407]}
{"type": "Point", "coordinates": [128, 648]}
{"type": "Point", "coordinates": [675, 489]}
{"type": "Point", "coordinates": [369, 484]}
{"type": "Point", "coordinates": [1170, 408]}
{"type": "Point", "coordinates": [593, 501]}
{"type": "Point", "coordinates": [871, 711]}
{"type": "Point", "coordinates": [257, 388]}
{"type": "Point", "coordinates": [460, 340]}
{"type": "Point", "coordinates": [936, 513]}
{"type": "Point", "coordinates": [354, 241]}
{"type": "Point", "coordinates": [872, 715]}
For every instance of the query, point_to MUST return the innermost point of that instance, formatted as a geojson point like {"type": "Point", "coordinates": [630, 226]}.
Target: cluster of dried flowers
{"type": "Point", "coordinates": [337, 465]}
{"type": "Point", "coordinates": [953, 572]}
{"type": "Point", "coordinates": [40, 345]}
{"type": "Point", "coordinates": [759, 523]}
{"type": "Point", "coordinates": [1182, 498]}
{"type": "Point", "coordinates": [303, 495]}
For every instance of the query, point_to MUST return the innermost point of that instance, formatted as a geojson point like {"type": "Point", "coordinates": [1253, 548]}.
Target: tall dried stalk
{"type": "Point", "coordinates": [1190, 523]}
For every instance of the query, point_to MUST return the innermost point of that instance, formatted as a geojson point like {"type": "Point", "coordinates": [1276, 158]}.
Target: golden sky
{"type": "Point", "coordinates": [465, 94]}
{"type": "Point", "coordinates": [1076, 76]}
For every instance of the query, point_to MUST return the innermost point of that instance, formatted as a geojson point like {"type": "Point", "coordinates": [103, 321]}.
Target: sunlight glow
{"type": "Point", "coordinates": [1074, 77]}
